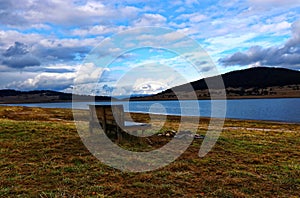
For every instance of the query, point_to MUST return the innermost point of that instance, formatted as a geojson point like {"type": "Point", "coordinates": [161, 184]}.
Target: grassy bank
{"type": "Point", "coordinates": [42, 155]}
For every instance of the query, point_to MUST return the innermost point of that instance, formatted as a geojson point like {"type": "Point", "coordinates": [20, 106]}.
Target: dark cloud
{"type": "Point", "coordinates": [17, 49]}
{"type": "Point", "coordinates": [4, 4]}
{"type": "Point", "coordinates": [18, 56]}
{"type": "Point", "coordinates": [58, 70]}
{"type": "Point", "coordinates": [108, 89]}
{"type": "Point", "coordinates": [286, 56]}
{"type": "Point", "coordinates": [61, 53]}
{"type": "Point", "coordinates": [21, 61]}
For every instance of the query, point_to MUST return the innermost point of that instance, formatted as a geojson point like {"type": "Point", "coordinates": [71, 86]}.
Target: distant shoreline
{"type": "Point", "coordinates": [141, 99]}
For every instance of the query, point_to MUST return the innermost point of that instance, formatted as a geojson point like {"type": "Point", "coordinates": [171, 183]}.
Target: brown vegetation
{"type": "Point", "coordinates": [43, 156]}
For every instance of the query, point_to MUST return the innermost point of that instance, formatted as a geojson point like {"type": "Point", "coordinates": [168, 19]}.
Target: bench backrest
{"type": "Point", "coordinates": [107, 114]}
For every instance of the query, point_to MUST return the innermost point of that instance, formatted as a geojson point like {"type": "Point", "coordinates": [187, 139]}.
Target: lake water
{"type": "Point", "coordinates": [285, 110]}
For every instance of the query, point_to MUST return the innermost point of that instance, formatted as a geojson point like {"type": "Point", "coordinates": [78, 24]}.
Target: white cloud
{"type": "Point", "coordinates": [177, 25]}
{"type": "Point", "coordinates": [98, 30]}
{"type": "Point", "coordinates": [173, 36]}
{"type": "Point", "coordinates": [88, 73]}
{"type": "Point", "coordinates": [276, 28]}
{"type": "Point", "coordinates": [191, 2]}
{"type": "Point", "coordinates": [67, 42]}
{"type": "Point", "coordinates": [9, 37]}
{"type": "Point", "coordinates": [288, 3]}
{"type": "Point", "coordinates": [68, 13]}
{"type": "Point", "coordinates": [222, 42]}
{"type": "Point", "coordinates": [52, 81]}
{"type": "Point", "coordinates": [193, 18]}
{"type": "Point", "coordinates": [150, 20]}
{"type": "Point", "coordinates": [53, 77]}
{"type": "Point", "coordinates": [149, 86]}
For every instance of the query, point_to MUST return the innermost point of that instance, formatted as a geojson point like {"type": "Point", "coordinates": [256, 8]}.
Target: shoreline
{"type": "Point", "coordinates": [170, 115]}
{"type": "Point", "coordinates": [122, 100]}
{"type": "Point", "coordinates": [225, 119]}
{"type": "Point", "coordinates": [227, 98]}
{"type": "Point", "coordinates": [155, 99]}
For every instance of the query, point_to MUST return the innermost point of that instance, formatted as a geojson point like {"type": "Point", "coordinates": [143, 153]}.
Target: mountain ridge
{"type": "Point", "coordinates": [246, 83]}
{"type": "Point", "coordinates": [258, 82]}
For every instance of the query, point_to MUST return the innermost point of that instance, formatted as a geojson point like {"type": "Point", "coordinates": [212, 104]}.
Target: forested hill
{"type": "Point", "coordinates": [37, 96]}
{"type": "Point", "coordinates": [247, 83]}
{"type": "Point", "coordinates": [259, 77]}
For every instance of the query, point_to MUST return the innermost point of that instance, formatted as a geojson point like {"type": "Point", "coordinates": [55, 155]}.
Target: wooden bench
{"type": "Point", "coordinates": [111, 119]}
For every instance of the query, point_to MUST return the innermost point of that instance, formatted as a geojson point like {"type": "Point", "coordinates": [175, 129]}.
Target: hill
{"type": "Point", "coordinates": [39, 96]}
{"type": "Point", "coordinates": [248, 83]}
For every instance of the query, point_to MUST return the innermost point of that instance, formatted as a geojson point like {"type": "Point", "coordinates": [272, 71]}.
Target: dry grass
{"type": "Point", "coordinates": [43, 156]}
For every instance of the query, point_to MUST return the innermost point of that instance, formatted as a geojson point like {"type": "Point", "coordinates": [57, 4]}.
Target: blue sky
{"type": "Point", "coordinates": [47, 44]}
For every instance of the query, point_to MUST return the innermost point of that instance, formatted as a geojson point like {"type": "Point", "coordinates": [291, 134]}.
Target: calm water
{"type": "Point", "coordinates": [286, 110]}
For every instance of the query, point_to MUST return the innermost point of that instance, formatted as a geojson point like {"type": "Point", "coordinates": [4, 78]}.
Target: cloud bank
{"type": "Point", "coordinates": [286, 56]}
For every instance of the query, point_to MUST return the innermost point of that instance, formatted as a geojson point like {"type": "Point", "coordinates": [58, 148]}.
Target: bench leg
{"type": "Point", "coordinates": [90, 128]}
{"type": "Point", "coordinates": [119, 134]}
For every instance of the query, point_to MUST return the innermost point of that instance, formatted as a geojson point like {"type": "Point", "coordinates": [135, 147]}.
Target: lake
{"type": "Point", "coordinates": [279, 109]}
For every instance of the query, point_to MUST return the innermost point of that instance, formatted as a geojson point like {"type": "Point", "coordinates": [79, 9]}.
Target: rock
{"type": "Point", "coordinates": [183, 134]}
{"type": "Point", "coordinates": [149, 141]}
{"type": "Point", "coordinates": [197, 136]}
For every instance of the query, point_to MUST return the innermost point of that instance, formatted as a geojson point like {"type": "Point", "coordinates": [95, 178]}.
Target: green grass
{"type": "Point", "coordinates": [42, 156]}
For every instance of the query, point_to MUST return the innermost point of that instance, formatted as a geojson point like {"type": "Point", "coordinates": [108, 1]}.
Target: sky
{"type": "Point", "coordinates": [140, 46]}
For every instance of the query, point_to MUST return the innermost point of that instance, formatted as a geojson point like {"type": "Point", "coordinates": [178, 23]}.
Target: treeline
{"type": "Point", "coordinates": [257, 77]}
{"type": "Point", "coordinates": [51, 95]}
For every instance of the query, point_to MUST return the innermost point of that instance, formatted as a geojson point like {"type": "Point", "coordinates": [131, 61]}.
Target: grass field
{"type": "Point", "coordinates": [43, 156]}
